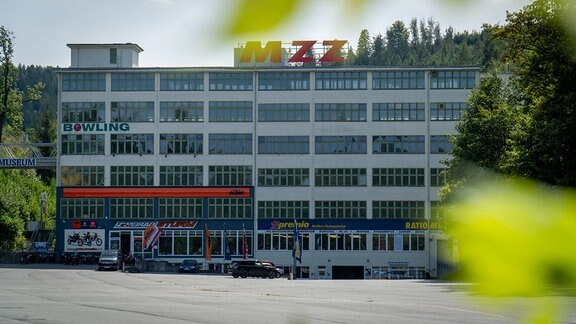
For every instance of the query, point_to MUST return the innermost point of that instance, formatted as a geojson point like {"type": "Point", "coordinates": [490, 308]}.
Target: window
{"type": "Point", "coordinates": [398, 111]}
{"type": "Point", "coordinates": [113, 55]}
{"type": "Point", "coordinates": [393, 144]}
{"type": "Point", "coordinates": [440, 144]}
{"type": "Point", "coordinates": [283, 145]}
{"type": "Point", "coordinates": [452, 79]}
{"type": "Point", "coordinates": [398, 209]}
{"type": "Point", "coordinates": [81, 208]}
{"type": "Point", "coordinates": [184, 81]}
{"type": "Point", "coordinates": [84, 82]}
{"type": "Point", "coordinates": [174, 242]}
{"type": "Point", "coordinates": [398, 177]}
{"type": "Point", "coordinates": [436, 210]}
{"type": "Point", "coordinates": [417, 242]}
{"type": "Point", "coordinates": [181, 143]}
{"type": "Point", "coordinates": [281, 241]}
{"type": "Point", "coordinates": [283, 177]}
{"type": "Point", "coordinates": [132, 111]}
{"type": "Point", "coordinates": [219, 208]}
{"type": "Point", "coordinates": [181, 175]}
{"type": "Point", "coordinates": [437, 177]}
{"type": "Point", "coordinates": [292, 112]}
{"type": "Point", "coordinates": [385, 241]}
{"type": "Point", "coordinates": [235, 241]}
{"type": "Point", "coordinates": [340, 145]}
{"type": "Point", "coordinates": [447, 111]}
{"type": "Point", "coordinates": [341, 80]}
{"type": "Point", "coordinates": [131, 208]}
{"type": "Point", "coordinates": [180, 208]}
{"type": "Point", "coordinates": [355, 209]}
{"type": "Point", "coordinates": [398, 80]}
{"type": "Point", "coordinates": [230, 175]}
{"type": "Point", "coordinates": [84, 176]}
{"type": "Point", "coordinates": [340, 112]}
{"type": "Point", "coordinates": [78, 112]}
{"type": "Point", "coordinates": [82, 144]}
{"type": "Point", "coordinates": [181, 111]}
{"type": "Point", "coordinates": [382, 241]}
{"type": "Point", "coordinates": [230, 111]}
{"type": "Point", "coordinates": [132, 143]}
{"type": "Point", "coordinates": [224, 81]}
{"type": "Point", "coordinates": [283, 81]}
{"type": "Point", "coordinates": [287, 209]}
{"type": "Point", "coordinates": [132, 81]}
{"type": "Point", "coordinates": [340, 177]}
{"type": "Point", "coordinates": [340, 241]}
{"type": "Point", "coordinates": [230, 143]}
{"type": "Point", "coordinates": [131, 175]}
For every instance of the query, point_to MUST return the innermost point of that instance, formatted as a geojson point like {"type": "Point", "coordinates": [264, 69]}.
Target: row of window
{"type": "Point", "coordinates": [179, 242]}
{"type": "Point", "coordinates": [241, 111]}
{"type": "Point", "coordinates": [241, 175]}
{"type": "Point", "coordinates": [240, 208]}
{"type": "Point", "coordinates": [267, 81]}
{"type": "Point", "coordinates": [193, 144]}
{"type": "Point", "coordinates": [173, 242]}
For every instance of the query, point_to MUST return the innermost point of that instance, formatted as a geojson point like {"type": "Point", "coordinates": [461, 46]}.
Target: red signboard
{"type": "Point", "coordinates": [160, 192]}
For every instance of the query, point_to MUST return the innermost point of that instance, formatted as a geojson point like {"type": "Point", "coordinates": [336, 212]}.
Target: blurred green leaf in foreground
{"type": "Point", "coordinates": [517, 239]}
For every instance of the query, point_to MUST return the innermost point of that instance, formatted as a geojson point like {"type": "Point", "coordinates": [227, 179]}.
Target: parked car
{"type": "Point", "coordinates": [188, 266]}
{"type": "Point", "coordinates": [253, 268]}
{"type": "Point", "coordinates": [110, 259]}
{"type": "Point", "coordinates": [279, 271]}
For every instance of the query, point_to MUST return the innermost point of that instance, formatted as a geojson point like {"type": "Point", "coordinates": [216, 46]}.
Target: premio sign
{"type": "Point", "coordinates": [95, 127]}
{"type": "Point", "coordinates": [300, 51]}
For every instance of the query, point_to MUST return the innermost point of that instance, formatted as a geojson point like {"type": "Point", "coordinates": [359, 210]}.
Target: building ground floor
{"type": "Point", "coordinates": [331, 248]}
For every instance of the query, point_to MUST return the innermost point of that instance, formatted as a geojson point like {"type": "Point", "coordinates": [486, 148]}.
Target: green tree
{"type": "Point", "coordinates": [397, 40]}
{"type": "Point", "coordinates": [11, 230]}
{"type": "Point", "coordinates": [377, 51]}
{"type": "Point", "coordinates": [11, 98]}
{"type": "Point", "coordinates": [541, 48]}
{"type": "Point", "coordinates": [20, 203]}
{"type": "Point", "coordinates": [364, 50]}
{"type": "Point", "coordinates": [46, 133]}
{"type": "Point", "coordinates": [486, 135]}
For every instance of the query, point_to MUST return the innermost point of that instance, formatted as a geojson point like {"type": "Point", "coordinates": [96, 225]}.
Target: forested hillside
{"type": "Point", "coordinates": [424, 43]}
{"type": "Point", "coordinates": [34, 110]}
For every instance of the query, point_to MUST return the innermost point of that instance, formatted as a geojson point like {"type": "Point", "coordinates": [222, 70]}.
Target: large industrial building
{"type": "Point", "coordinates": [220, 163]}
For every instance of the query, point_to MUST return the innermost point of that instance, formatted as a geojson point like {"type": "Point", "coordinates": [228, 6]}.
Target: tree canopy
{"type": "Point", "coordinates": [422, 43]}
{"type": "Point", "coordinates": [11, 98]}
{"type": "Point", "coordinates": [524, 127]}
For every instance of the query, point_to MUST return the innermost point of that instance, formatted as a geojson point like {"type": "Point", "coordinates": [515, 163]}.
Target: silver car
{"type": "Point", "coordinates": [110, 259]}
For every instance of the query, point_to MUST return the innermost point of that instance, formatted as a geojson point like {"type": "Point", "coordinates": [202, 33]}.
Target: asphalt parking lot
{"type": "Point", "coordinates": [65, 294]}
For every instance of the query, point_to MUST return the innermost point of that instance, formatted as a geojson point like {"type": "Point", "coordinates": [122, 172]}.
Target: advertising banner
{"type": "Point", "coordinates": [84, 240]}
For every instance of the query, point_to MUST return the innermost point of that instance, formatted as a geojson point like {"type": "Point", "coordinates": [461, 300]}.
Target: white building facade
{"type": "Point", "coordinates": [221, 162]}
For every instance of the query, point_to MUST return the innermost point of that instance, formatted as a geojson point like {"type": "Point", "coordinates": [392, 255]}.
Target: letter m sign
{"type": "Point", "coordinates": [253, 49]}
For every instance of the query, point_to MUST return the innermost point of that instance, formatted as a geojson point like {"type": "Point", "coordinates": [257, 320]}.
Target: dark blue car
{"type": "Point", "coordinates": [188, 266]}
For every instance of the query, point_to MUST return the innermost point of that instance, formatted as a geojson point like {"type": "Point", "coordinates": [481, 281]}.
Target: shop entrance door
{"type": "Point", "coordinates": [125, 243]}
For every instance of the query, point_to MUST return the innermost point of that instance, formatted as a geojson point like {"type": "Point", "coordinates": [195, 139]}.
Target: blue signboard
{"type": "Point", "coordinates": [304, 225]}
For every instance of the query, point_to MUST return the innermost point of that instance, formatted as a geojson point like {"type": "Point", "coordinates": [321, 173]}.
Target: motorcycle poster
{"type": "Point", "coordinates": [84, 240]}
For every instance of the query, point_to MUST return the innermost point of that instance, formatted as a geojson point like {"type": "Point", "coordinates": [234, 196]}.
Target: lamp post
{"type": "Point", "coordinates": [43, 201]}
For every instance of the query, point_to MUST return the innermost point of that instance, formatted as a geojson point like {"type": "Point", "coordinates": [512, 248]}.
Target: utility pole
{"type": "Point", "coordinates": [43, 201]}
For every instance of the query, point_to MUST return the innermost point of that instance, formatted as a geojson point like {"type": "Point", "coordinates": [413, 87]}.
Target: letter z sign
{"type": "Point", "coordinates": [273, 50]}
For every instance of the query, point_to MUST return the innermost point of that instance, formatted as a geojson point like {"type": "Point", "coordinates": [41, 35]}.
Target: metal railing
{"type": "Point", "coordinates": [28, 155]}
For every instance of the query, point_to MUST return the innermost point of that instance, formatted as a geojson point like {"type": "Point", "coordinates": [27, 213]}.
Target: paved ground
{"type": "Point", "coordinates": [79, 294]}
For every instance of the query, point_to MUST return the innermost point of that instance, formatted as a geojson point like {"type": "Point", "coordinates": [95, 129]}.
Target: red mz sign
{"type": "Point", "coordinates": [273, 50]}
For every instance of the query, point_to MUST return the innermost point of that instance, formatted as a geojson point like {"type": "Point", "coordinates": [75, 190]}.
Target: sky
{"type": "Point", "coordinates": [191, 33]}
